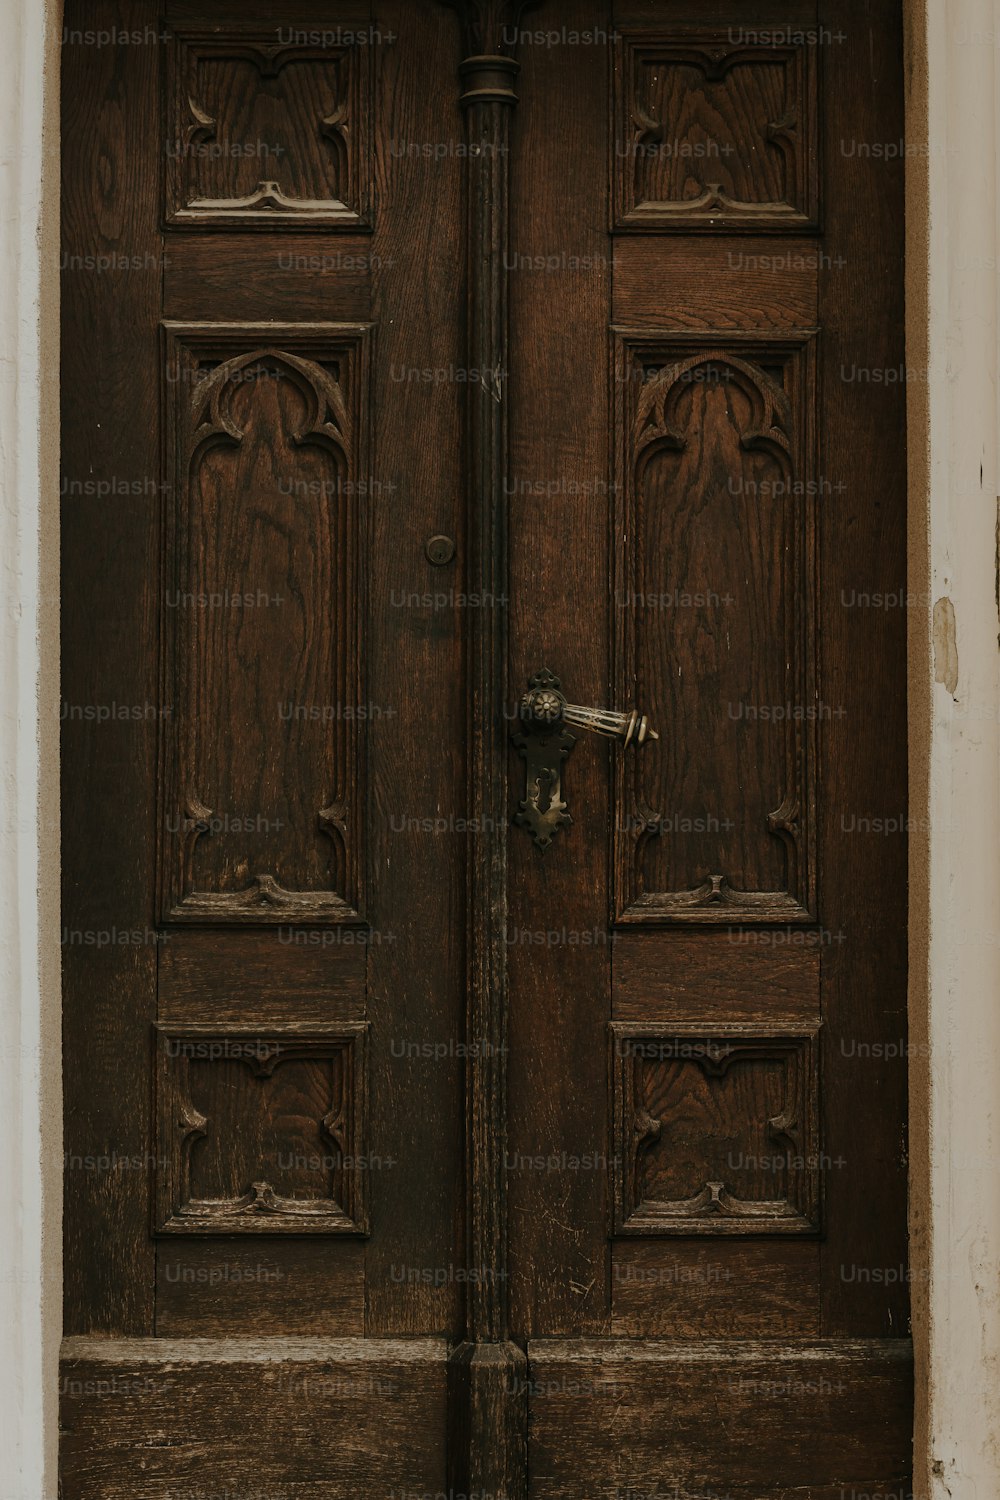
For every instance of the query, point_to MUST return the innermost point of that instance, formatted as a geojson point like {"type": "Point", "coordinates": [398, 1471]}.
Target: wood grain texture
{"type": "Point", "coordinates": [655, 15]}
{"type": "Point", "coordinates": [266, 133]}
{"type": "Point", "coordinates": [742, 1289]}
{"type": "Point", "coordinates": [849, 285]}
{"type": "Point", "coordinates": [490, 27]}
{"type": "Point", "coordinates": [715, 599]}
{"type": "Point", "coordinates": [292, 276]}
{"type": "Point", "coordinates": [260, 1288]}
{"type": "Point", "coordinates": [559, 958]}
{"type": "Point", "coordinates": [488, 1417]}
{"type": "Point", "coordinates": [489, 1411]}
{"type": "Point", "coordinates": [491, 1213]}
{"type": "Point", "coordinates": [487, 445]}
{"type": "Point", "coordinates": [305, 1418]}
{"type": "Point", "coordinates": [256, 978]}
{"type": "Point", "coordinates": [262, 1131]}
{"type": "Point", "coordinates": [863, 768]}
{"type": "Point", "coordinates": [713, 135]}
{"type": "Point", "coordinates": [757, 1421]}
{"type": "Point", "coordinates": [345, 16]}
{"type": "Point", "coordinates": [716, 1134]}
{"type": "Point", "coordinates": [416, 985]}
{"type": "Point", "coordinates": [267, 453]}
{"type": "Point", "coordinates": [684, 281]}
{"type": "Point", "coordinates": [739, 975]}
{"type": "Point", "coordinates": [109, 548]}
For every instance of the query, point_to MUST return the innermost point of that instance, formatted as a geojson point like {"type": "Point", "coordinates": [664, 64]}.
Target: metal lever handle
{"type": "Point", "coordinates": [545, 742]}
{"type": "Point", "coordinates": [628, 729]}
{"type": "Point", "coordinates": [544, 705]}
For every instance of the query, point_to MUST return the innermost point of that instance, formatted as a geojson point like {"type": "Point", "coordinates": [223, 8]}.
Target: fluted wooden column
{"type": "Point", "coordinates": [489, 1373]}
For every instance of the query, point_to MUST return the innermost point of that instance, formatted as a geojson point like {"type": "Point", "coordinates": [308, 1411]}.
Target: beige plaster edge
{"type": "Point", "coordinates": [49, 681]}
{"type": "Point", "coordinates": [919, 676]}
{"type": "Point", "coordinates": [31, 1106]}
{"type": "Point", "coordinates": [953, 295]}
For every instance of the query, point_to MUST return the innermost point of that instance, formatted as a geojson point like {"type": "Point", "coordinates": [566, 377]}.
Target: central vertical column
{"type": "Point", "coordinates": [488, 1372]}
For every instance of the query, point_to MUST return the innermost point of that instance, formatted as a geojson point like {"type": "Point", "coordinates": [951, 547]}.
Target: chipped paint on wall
{"type": "Point", "coordinates": [945, 645]}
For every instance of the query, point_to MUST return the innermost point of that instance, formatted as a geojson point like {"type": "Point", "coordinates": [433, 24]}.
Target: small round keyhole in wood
{"type": "Point", "coordinates": [440, 550]}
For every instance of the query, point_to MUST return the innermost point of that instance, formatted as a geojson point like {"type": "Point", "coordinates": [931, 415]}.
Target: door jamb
{"type": "Point", "coordinates": [30, 1115]}
{"type": "Point", "coordinates": [953, 364]}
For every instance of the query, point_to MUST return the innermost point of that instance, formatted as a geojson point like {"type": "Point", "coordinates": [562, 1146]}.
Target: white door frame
{"type": "Point", "coordinates": [30, 1095]}
{"type": "Point", "coordinates": [953, 365]}
{"type": "Point", "coordinates": [953, 361]}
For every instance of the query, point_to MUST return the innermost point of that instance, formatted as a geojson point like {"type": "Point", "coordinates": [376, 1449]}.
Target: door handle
{"type": "Point", "coordinates": [544, 741]}
{"type": "Point", "coordinates": [543, 704]}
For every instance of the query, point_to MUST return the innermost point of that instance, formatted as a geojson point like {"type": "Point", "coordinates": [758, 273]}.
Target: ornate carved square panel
{"type": "Point", "coordinates": [262, 1131]}
{"type": "Point", "coordinates": [715, 595]}
{"type": "Point", "coordinates": [712, 131]}
{"type": "Point", "coordinates": [716, 1133]}
{"type": "Point", "coordinates": [264, 566]}
{"type": "Point", "coordinates": [262, 135]}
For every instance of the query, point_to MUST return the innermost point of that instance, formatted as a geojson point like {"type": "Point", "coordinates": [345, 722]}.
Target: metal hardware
{"type": "Point", "coordinates": [440, 550]}
{"type": "Point", "coordinates": [545, 742]}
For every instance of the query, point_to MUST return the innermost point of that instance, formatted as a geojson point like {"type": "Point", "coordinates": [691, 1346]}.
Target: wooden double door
{"type": "Point", "coordinates": [484, 745]}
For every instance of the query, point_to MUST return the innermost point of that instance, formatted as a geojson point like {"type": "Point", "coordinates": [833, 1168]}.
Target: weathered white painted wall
{"type": "Point", "coordinates": [955, 744]}
{"type": "Point", "coordinates": [30, 1176]}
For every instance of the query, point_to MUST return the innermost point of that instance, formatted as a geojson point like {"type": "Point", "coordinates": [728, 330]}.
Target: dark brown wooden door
{"type": "Point", "coordinates": [707, 968]}
{"type": "Point", "coordinates": [460, 1101]}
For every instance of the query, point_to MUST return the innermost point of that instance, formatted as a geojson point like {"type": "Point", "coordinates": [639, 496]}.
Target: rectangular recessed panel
{"type": "Point", "coordinates": [254, 978]}
{"type": "Point", "coordinates": [262, 763]}
{"type": "Point", "coordinates": [261, 1131]}
{"type": "Point", "coordinates": [618, 1419]}
{"type": "Point", "coordinates": [716, 1133]}
{"type": "Point", "coordinates": [745, 974]}
{"type": "Point", "coordinates": [715, 1288]}
{"type": "Point", "coordinates": [715, 130]}
{"type": "Point", "coordinates": [268, 131]}
{"type": "Point", "coordinates": [292, 275]}
{"type": "Point", "coordinates": [686, 281]}
{"type": "Point", "coordinates": [715, 593]}
{"type": "Point", "coordinates": [290, 1419]}
{"type": "Point", "coordinates": [260, 1287]}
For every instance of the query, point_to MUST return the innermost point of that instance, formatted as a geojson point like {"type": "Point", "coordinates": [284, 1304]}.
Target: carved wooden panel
{"type": "Point", "coordinates": [263, 134]}
{"type": "Point", "coordinates": [261, 1131]}
{"type": "Point", "coordinates": [711, 134]}
{"type": "Point", "coordinates": [715, 589]}
{"type": "Point", "coordinates": [262, 767]}
{"type": "Point", "coordinates": [716, 1133]}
